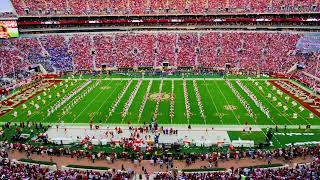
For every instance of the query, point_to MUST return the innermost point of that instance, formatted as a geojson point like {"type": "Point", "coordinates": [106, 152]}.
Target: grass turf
{"type": "Point", "coordinates": [281, 138]}
{"type": "Point", "coordinates": [216, 97]}
{"type": "Point", "coordinates": [37, 162]}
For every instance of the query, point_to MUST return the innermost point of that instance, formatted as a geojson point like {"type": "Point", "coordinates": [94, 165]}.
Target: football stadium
{"type": "Point", "coordinates": [166, 89]}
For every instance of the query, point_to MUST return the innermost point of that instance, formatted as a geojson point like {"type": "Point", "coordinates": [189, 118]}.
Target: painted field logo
{"type": "Point", "coordinates": [105, 87]}
{"type": "Point", "coordinates": [164, 96]}
{"type": "Point", "coordinates": [220, 115]}
{"type": "Point", "coordinates": [230, 107]}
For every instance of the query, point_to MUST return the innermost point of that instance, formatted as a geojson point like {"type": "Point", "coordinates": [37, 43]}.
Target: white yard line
{"type": "Point", "coordinates": [106, 100]}
{"type": "Point", "coordinates": [88, 105]}
{"type": "Point", "coordinates": [119, 99]}
{"type": "Point", "coordinates": [215, 106]}
{"type": "Point", "coordinates": [144, 100]}
{"type": "Point", "coordinates": [227, 101]}
{"type": "Point", "coordinates": [272, 106]}
{"type": "Point", "coordinates": [290, 107]}
{"type": "Point", "coordinates": [130, 100]}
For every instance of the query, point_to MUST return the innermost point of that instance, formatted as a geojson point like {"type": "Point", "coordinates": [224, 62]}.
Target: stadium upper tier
{"type": "Point", "coordinates": [253, 51]}
{"type": "Point", "coordinates": [146, 7]}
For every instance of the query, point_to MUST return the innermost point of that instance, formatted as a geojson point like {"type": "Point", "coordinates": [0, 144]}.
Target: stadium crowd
{"type": "Point", "coordinates": [247, 50]}
{"type": "Point", "coordinates": [14, 170]}
{"type": "Point", "coordinates": [285, 154]}
{"type": "Point", "coordinates": [301, 171]}
{"type": "Point", "coordinates": [312, 68]}
{"type": "Point", "coordinates": [144, 7]}
{"type": "Point", "coordinates": [250, 51]}
{"type": "Point", "coordinates": [308, 81]}
{"type": "Point", "coordinates": [8, 15]}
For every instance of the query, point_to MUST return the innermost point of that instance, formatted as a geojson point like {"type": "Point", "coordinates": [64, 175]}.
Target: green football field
{"type": "Point", "coordinates": [281, 138]}
{"type": "Point", "coordinates": [119, 101]}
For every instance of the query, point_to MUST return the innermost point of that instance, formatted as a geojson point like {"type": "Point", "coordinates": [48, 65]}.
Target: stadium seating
{"type": "Point", "coordinates": [103, 50]}
{"type": "Point", "coordinates": [145, 55]}
{"type": "Point", "coordinates": [308, 81]}
{"type": "Point", "coordinates": [304, 171]}
{"type": "Point", "coordinates": [165, 48]}
{"type": "Point", "coordinates": [12, 169]}
{"type": "Point", "coordinates": [57, 48]}
{"type": "Point", "coordinates": [7, 15]}
{"type": "Point", "coordinates": [196, 6]}
{"type": "Point", "coordinates": [81, 49]}
{"type": "Point", "coordinates": [208, 50]}
{"type": "Point", "coordinates": [11, 63]}
{"type": "Point", "coordinates": [138, 6]}
{"type": "Point", "coordinates": [125, 51]}
{"type": "Point", "coordinates": [187, 43]}
{"type": "Point", "coordinates": [262, 51]}
{"type": "Point", "coordinates": [141, 7]}
{"type": "Point", "coordinates": [312, 67]}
